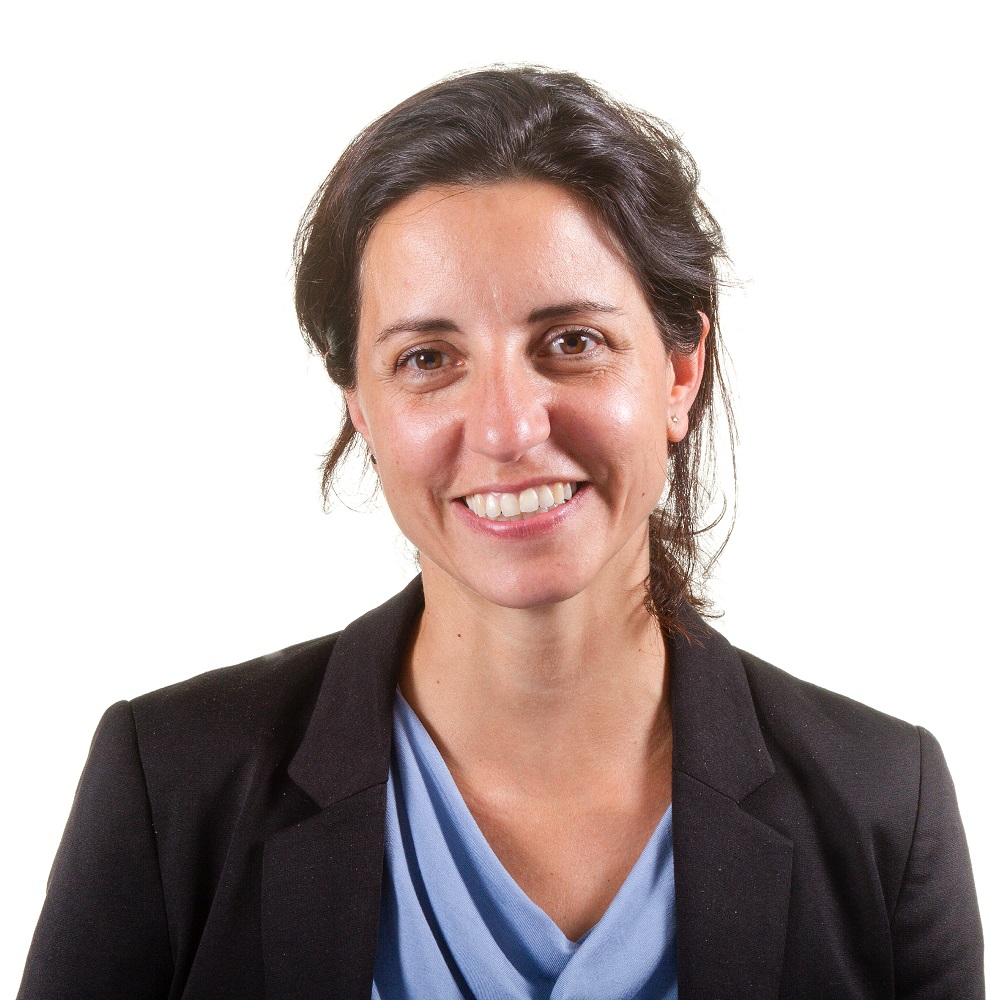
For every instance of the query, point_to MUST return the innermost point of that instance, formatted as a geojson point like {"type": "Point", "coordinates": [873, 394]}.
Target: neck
{"type": "Point", "coordinates": [539, 697]}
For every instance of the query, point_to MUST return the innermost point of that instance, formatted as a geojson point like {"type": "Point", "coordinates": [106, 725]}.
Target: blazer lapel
{"type": "Point", "coordinates": [732, 871]}
{"type": "Point", "coordinates": [321, 879]}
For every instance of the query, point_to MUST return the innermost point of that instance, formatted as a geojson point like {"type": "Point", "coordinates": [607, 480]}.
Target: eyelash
{"type": "Point", "coordinates": [582, 333]}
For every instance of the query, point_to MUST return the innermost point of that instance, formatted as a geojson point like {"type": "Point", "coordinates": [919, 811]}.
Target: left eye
{"type": "Point", "coordinates": [572, 342]}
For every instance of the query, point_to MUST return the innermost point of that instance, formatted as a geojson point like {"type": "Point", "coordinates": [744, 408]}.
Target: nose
{"type": "Point", "coordinates": [507, 413]}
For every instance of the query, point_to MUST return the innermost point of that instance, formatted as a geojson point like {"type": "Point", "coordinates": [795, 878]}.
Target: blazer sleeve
{"type": "Point", "coordinates": [103, 927]}
{"type": "Point", "coordinates": [936, 929]}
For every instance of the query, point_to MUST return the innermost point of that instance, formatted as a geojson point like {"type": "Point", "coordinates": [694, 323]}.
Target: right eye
{"type": "Point", "coordinates": [424, 359]}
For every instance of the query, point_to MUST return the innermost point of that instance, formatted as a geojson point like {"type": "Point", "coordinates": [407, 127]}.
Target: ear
{"type": "Point", "coordinates": [356, 411]}
{"type": "Point", "coordinates": [688, 370]}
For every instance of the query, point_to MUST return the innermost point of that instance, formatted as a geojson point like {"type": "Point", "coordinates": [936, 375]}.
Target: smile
{"type": "Point", "coordinates": [519, 506]}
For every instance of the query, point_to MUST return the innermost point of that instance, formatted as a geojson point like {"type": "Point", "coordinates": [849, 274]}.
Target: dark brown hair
{"type": "Point", "coordinates": [531, 124]}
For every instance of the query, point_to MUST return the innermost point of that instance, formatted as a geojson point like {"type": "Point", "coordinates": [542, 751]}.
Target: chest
{"type": "Point", "coordinates": [571, 855]}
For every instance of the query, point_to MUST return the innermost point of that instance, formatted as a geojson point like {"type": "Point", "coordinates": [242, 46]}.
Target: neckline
{"type": "Point", "coordinates": [503, 883]}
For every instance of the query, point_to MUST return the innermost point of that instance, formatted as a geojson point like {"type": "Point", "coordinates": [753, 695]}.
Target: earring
{"type": "Point", "coordinates": [674, 419]}
{"type": "Point", "coordinates": [374, 459]}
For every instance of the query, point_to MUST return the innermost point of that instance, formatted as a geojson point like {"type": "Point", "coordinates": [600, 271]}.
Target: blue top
{"type": "Point", "coordinates": [454, 924]}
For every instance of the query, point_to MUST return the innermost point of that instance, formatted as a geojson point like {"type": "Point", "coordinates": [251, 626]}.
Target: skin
{"type": "Point", "coordinates": [503, 343]}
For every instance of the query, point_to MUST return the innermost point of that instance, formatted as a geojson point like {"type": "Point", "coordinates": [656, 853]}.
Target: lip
{"type": "Point", "coordinates": [538, 524]}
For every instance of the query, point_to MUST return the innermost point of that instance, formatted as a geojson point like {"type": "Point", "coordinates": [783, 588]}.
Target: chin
{"type": "Point", "coordinates": [523, 591]}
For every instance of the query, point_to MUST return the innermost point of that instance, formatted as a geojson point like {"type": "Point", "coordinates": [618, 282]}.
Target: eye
{"type": "Point", "coordinates": [424, 359]}
{"type": "Point", "coordinates": [573, 342]}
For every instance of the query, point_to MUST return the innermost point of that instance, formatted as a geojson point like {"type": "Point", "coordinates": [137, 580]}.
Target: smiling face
{"type": "Point", "coordinates": [505, 349]}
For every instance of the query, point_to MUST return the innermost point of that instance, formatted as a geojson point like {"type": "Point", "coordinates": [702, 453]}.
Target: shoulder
{"type": "Point", "coordinates": [285, 673]}
{"type": "Point", "coordinates": [796, 711]}
{"type": "Point", "coordinates": [235, 732]}
{"type": "Point", "coordinates": [213, 722]}
{"type": "Point", "coordinates": [868, 798]}
{"type": "Point", "coordinates": [848, 771]}
{"type": "Point", "coordinates": [831, 741]}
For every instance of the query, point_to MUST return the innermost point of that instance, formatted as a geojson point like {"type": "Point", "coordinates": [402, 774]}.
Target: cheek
{"type": "Point", "coordinates": [413, 445]}
{"type": "Point", "coordinates": [625, 416]}
{"type": "Point", "coordinates": [402, 427]}
{"type": "Point", "coordinates": [630, 417]}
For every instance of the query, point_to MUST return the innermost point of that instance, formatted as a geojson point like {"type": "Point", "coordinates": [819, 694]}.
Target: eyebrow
{"type": "Point", "coordinates": [559, 310]}
{"type": "Point", "coordinates": [415, 325]}
{"type": "Point", "coordinates": [574, 308]}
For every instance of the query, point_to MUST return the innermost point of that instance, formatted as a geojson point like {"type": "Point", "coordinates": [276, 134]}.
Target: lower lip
{"type": "Point", "coordinates": [530, 528]}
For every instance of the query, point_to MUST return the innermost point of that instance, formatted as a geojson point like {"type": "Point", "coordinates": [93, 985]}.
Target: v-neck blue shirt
{"type": "Point", "coordinates": [455, 925]}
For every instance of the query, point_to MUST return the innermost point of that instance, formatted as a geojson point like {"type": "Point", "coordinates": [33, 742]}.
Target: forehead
{"type": "Point", "coordinates": [498, 246]}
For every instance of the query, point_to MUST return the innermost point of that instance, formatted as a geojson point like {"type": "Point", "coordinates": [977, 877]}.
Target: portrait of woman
{"type": "Point", "coordinates": [537, 771]}
{"type": "Point", "coordinates": [547, 713]}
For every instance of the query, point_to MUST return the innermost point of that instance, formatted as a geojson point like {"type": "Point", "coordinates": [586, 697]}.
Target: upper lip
{"type": "Point", "coordinates": [521, 486]}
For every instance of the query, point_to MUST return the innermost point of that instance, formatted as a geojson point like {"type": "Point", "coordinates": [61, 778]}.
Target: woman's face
{"type": "Point", "coordinates": [504, 349]}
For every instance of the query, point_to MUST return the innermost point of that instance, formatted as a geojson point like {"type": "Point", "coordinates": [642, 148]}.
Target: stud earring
{"type": "Point", "coordinates": [674, 419]}
{"type": "Point", "coordinates": [373, 458]}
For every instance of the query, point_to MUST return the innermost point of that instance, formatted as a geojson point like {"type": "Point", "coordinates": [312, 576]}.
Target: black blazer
{"type": "Point", "coordinates": [227, 837]}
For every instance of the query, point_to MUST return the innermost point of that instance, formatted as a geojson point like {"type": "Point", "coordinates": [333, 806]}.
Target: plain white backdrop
{"type": "Point", "coordinates": [162, 421]}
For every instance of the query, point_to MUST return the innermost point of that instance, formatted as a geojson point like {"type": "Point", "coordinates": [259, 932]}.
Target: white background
{"type": "Point", "coordinates": [162, 422]}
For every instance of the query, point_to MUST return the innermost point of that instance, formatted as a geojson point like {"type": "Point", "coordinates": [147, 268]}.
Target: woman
{"type": "Point", "coordinates": [536, 771]}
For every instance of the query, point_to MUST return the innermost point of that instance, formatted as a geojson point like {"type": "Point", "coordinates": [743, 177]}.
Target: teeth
{"type": "Point", "coordinates": [517, 507]}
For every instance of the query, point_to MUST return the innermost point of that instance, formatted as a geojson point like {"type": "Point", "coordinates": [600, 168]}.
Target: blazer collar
{"type": "Point", "coordinates": [322, 878]}
{"type": "Point", "coordinates": [717, 738]}
{"type": "Point", "coordinates": [355, 703]}
{"type": "Point", "coordinates": [732, 872]}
